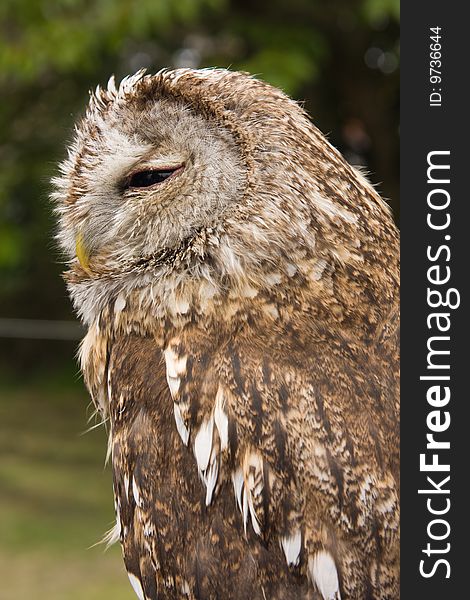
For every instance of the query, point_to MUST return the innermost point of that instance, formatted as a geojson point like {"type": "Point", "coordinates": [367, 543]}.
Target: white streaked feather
{"type": "Point", "coordinates": [221, 419]}
{"type": "Point", "coordinates": [203, 444]}
{"type": "Point", "coordinates": [273, 278]}
{"type": "Point", "coordinates": [111, 87]}
{"type": "Point", "coordinates": [180, 426]}
{"type": "Point", "coordinates": [110, 395]}
{"type": "Point", "coordinates": [245, 508]}
{"type": "Point", "coordinates": [181, 306]}
{"type": "Point", "coordinates": [211, 478]}
{"type": "Point", "coordinates": [136, 493]}
{"type": "Point", "coordinates": [254, 485]}
{"type": "Point", "coordinates": [109, 448]}
{"type": "Point", "coordinates": [175, 365]}
{"type": "Point", "coordinates": [120, 304]}
{"type": "Point", "coordinates": [292, 544]}
{"type": "Point", "coordinates": [97, 96]}
{"type": "Point", "coordinates": [237, 480]}
{"type": "Point", "coordinates": [113, 535]}
{"type": "Point", "coordinates": [254, 518]}
{"type": "Point", "coordinates": [245, 483]}
{"type": "Point", "coordinates": [173, 384]}
{"type": "Point", "coordinates": [291, 269]}
{"type": "Point", "coordinates": [333, 209]}
{"type": "Point", "coordinates": [324, 575]}
{"type": "Point", "coordinates": [185, 588]}
{"type": "Point", "coordinates": [129, 81]}
{"type": "Point", "coordinates": [175, 368]}
{"type": "Point", "coordinates": [137, 586]}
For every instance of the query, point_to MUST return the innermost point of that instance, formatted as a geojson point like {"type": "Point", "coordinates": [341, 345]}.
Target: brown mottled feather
{"type": "Point", "coordinates": [250, 369]}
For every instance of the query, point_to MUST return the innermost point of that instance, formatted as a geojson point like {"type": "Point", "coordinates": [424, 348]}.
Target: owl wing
{"type": "Point", "coordinates": [307, 431]}
{"type": "Point", "coordinates": [285, 451]}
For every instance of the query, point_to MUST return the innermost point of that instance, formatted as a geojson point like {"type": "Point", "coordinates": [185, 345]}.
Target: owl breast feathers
{"type": "Point", "coordinates": [239, 281]}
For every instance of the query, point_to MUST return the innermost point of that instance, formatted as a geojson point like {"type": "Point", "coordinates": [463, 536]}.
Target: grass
{"type": "Point", "coordinates": [55, 498]}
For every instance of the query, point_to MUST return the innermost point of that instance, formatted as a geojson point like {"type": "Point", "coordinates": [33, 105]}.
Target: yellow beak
{"type": "Point", "coordinates": [82, 252]}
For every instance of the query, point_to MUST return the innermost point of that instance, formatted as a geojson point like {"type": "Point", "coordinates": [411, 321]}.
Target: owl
{"type": "Point", "coordinates": [239, 283]}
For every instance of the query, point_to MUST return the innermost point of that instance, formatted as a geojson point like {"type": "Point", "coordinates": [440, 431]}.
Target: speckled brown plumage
{"type": "Point", "coordinates": [243, 341]}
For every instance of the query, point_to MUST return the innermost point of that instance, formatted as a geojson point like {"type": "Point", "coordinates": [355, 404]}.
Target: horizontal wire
{"type": "Point", "coordinates": [40, 329]}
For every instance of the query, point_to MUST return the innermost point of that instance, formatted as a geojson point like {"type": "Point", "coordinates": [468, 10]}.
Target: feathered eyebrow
{"type": "Point", "coordinates": [157, 164]}
{"type": "Point", "coordinates": [152, 155]}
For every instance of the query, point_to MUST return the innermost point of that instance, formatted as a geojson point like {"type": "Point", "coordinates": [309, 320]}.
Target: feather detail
{"type": "Point", "coordinates": [113, 535]}
{"type": "Point", "coordinates": [221, 418]}
{"type": "Point", "coordinates": [92, 356]}
{"type": "Point", "coordinates": [180, 425]}
{"type": "Point", "coordinates": [237, 480]}
{"type": "Point", "coordinates": [324, 575]}
{"type": "Point", "coordinates": [210, 440]}
{"type": "Point", "coordinates": [175, 367]}
{"type": "Point", "coordinates": [292, 545]}
{"type": "Point", "coordinates": [254, 486]}
{"type": "Point", "coordinates": [173, 384]}
{"type": "Point", "coordinates": [175, 364]}
{"type": "Point", "coordinates": [120, 304]}
{"type": "Point", "coordinates": [136, 493]}
{"type": "Point", "coordinates": [203, 445]}
{"type": "Point", "coordinates": [245, 509]}
{"type": "Point", "coordinates": [248, 487]}
{"type": "Point", "coordinates": [175, 370]}
{"type": "Point", "coordinates": [206, 451]}
{"type": "Point", "coordinates": [136, 585]}
{"type": "Point", "coordinates": [211, 476]}
{"type": "Point", "coordinates": [126, 486]}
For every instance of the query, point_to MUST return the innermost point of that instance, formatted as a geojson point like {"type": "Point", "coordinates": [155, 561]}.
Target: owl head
{"type": "Point", "coordinates": [205, 183]}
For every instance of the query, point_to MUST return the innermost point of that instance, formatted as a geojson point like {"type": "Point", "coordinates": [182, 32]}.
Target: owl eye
{"type": "Point", "coordinates": [149, 177]}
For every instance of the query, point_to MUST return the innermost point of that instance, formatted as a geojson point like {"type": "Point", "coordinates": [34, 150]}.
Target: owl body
{"type": "Point", "coordinates": [240, 285]}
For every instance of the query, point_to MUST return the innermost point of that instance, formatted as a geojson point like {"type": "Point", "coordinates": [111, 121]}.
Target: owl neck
{"type": "Point", "coordinates": [306, 286]}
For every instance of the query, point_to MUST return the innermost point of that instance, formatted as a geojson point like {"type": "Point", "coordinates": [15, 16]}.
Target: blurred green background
{"type": "Point", "coordinates": [340, 57]}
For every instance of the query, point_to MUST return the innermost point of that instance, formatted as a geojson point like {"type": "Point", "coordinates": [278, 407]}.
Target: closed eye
{"type": "Point", "coordinates": [149, 177]}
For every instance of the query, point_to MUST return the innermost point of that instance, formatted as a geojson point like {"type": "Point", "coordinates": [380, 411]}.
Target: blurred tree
{"type": "Point", "coordinates": [339, 56]}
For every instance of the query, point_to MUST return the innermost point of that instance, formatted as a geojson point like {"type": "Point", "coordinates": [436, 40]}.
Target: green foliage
{"type": "Point", "coordinates": [69, 35]}
{"type": "Point", "coordinates": [286, 56]}
{"type": "Point", "coordinates": [56, 499]}
{"type": "Point", "coordinates": [11, 246]}
{"type": "Point", "coordinates": [377, 10]}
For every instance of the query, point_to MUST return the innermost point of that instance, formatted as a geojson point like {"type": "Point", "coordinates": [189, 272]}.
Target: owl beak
{"type": "Point", "coordinates": [82, 252]}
